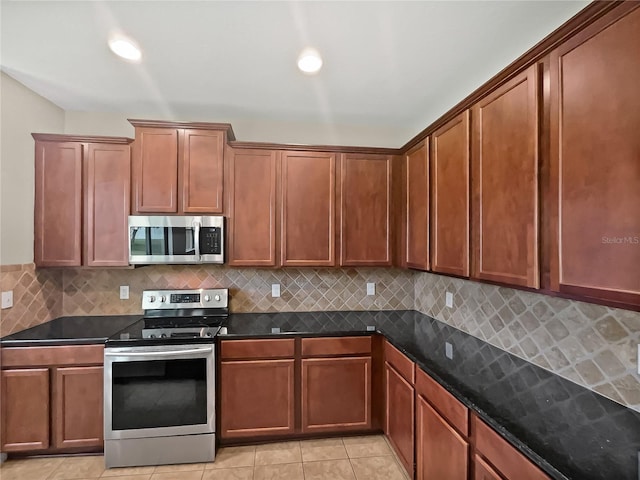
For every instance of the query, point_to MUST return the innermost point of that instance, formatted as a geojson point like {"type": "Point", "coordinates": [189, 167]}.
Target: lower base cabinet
{"type": "Point", "coordinates": [482, 471]}
{"type": "Point", "coordinates": [399, 425]}
{"type": "Point", "coordinates": [441, 452]}
{"type": "Point", "coordinates": [257, 398]}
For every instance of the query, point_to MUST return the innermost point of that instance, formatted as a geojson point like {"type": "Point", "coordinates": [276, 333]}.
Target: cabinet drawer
{"type": "Point", "coordinates": [502, 455]}
{"type": "Point", "coordinates": [335, 346]}
{"type": "Point", "coordinates": [446, 404]}
{"type": "Point", "coordinates": [52, 356]}
{"type": "Point", "coordinates": [400, 362]}
{"type": "Point", "coordinates": [263, 348]}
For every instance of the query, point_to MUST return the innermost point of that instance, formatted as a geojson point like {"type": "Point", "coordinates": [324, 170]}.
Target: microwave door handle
{"type": "Point", "coordinates": [196, 239]}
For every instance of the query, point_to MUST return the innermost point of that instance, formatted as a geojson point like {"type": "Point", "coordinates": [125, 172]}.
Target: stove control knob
{"type": "Point", "coordinates": [208, 334]}
{"type": "Point", "coordinates": [207, 298]}
{"type": "Point", "coordinates": [164, 335]}
{"type": "Point", "coordinates": [152, 298]}
{"type": "Point", "coordinates": [163, 299]}
{"type": "Point", "coordinates": [217, 297]}
{"type": "Point", "coordinates": [153, 335]}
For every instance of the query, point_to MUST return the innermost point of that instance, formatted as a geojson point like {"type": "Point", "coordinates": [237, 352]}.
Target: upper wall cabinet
{"type": "Point", "coordinates": [450, 197]}
{"type": "Point", "coordinates": [595, 160]}
{"type": "Point", "coordinates": [505, 183]}
{"type": "Point", "coordinates": [417, 206]}
{"type": "Point", "coordinates": [251, 206]}
{"type": "Point", "coordinates": [76, 174]}
{"type": "Point", "coordinates": [178, 167]}
{"type": "Point", "coordinates": [365, 210]}
{"type": "Point", "coordinates": [308, 209]}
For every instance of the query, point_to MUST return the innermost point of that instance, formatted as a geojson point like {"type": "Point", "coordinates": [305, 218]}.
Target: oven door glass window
{"type": "Point", "coordinates": [162, 241]}
{"type": "Point", "coordinates": [159, 393]}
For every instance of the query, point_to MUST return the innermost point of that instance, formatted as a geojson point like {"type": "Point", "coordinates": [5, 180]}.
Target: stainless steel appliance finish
{"type": "Point", "coordinates": [159, 380]}
{"type": "Point", "coordinates": [175, 239]}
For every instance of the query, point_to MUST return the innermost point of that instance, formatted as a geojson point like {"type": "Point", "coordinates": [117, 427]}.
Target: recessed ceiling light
{"type": "Point", "coordinates": [310, 61]}
{"type": "Point", "coordinates": [125, 48]}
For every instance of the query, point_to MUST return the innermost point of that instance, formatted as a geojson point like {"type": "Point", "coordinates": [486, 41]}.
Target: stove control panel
{"type": "Point", "coordinates": [185, 299]}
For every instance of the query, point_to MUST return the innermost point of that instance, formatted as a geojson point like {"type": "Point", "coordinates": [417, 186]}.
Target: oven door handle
{"type": "Point", "coordinates": [159, 353]}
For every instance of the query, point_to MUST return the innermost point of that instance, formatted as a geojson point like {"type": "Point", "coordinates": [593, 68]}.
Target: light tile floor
{"type": "Point", "coordinates": [352, 458]}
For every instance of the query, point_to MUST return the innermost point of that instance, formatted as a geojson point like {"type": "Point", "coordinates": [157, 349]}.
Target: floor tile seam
{"type": "Point", "coordinates": [353, 470]}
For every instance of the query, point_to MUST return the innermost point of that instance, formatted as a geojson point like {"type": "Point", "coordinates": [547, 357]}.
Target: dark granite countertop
{"type": "Point", "coordinates": [82, 330]}
{"type": "Point", "coordinates": [567, 430]}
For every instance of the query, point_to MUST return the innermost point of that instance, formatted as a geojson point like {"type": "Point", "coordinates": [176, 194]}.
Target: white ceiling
{"type": "Point", "coordinates": [387, 64]}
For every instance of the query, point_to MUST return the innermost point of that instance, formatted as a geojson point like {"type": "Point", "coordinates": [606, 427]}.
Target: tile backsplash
{"type": "Point", "coordinates": [592, 345]}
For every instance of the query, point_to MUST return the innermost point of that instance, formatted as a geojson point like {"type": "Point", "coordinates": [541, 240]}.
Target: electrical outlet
{"type": "Point", "coordinates": [124, 292]}
{"type": "Point", "coordinates": [449, 299]}
{"type": "Point", "coordinates": [448, 350]}
{"type": "Point", "coordinates": [7, 299]}
{"type": "Point", "coordinates": [371, 289]}
{"type": "Point", "coordinates": [275, 290]}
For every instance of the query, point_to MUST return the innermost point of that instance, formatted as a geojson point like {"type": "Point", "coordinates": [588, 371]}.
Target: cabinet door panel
{"type": "Point", "coordinates": [308, 209]}
{"type": "Point", "coordinates": [365, 231]}
{"type": "Point", "coordinates": [107, 189]}
{"type": "Point", "coordinates": [349, 407]}
{"type": "Point", "coordinates": [155, 170]}
{"type": "Point", "coordinates": [201, 170]}
{"type": "Point", "coordinates": [58, 204]}
{"type": "Point", "coordinates": [505, 181]}
{"type": "Point", "coordinates": [257, 398]}
{"type": "Point", "coordinates": [77, 407]}
{"type": "Point", "coordinates": [417, 207]}
{"type": "Point", "coordinates": [482, 470]}
{"type": "Point", "coordinates": [441, 451]}
{"type": "Point", "coordinates": [450, 197]}
{"type": "Point", "coordinates": [399, 425]}
{"type": "Point", "coordinates": [595, 153]}
{"type": "Point", "coordinates": [25, 409]}
{"type": "Point", "coordinates": [252, 207]}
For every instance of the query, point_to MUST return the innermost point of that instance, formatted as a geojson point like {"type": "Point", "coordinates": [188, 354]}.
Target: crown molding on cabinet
{"type": "Point", "coordinates": [194, 125]}
{"type": "Point", "coordinates": [54, 137]}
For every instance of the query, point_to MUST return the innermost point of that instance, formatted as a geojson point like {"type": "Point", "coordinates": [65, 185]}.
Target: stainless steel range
{"type": "Point", "coordinates": [159, 380]}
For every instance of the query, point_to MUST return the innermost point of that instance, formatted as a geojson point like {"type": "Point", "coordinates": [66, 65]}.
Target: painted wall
{"type": "Point", "coordinates": [22, 112]}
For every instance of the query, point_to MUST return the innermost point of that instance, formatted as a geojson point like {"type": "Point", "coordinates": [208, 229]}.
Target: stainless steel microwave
{"type": "Point", "coordinates": [176, 239]}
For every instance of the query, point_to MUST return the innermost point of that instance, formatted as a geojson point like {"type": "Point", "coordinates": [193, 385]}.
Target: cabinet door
{"type": "Point", "coordinates": [308, 209]}
{"type": "Point", "coordinates": [505, 183]}
{"type": "Point", "coordinates": [257, 398]}
{"type": "Point", "coordinates": [252, 187]}
{"type": "Point", "coordinates": [365, 213]}
{"type": "Point", "coordinates": [107, 188]}
{"type": "Point", "coordinates": [58, 204]}
{"type": "Point", "coordinates": [155, 170]}
{"type": "Point", "coordinates": [77, 407]}
{"type": "Point", "coordinates": [595, 154]}
{"type": "Point", "coordinates": [399, 425]}
{"type": "Point", "coordinates": [450, 197]}
{"type": "Point", "coordinates": [482, 470]}
{"type": "Point", "coordinates": [417, 206]}
{"type": "Point", "coordinates": [200, 171]}
{"type": "Point", "coordinates": [25, 409]}
{"type": "Point", "coordinates": [349, 408]}
{"type": "Point", "coordinates": [441, 451]}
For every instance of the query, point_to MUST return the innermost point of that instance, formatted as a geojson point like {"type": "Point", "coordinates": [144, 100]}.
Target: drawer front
{"type": "Point", "coordinates": [263, 348]}
{"type": "Point", "coordinates": [502, 455]}
{"type": "Point", "coordinates": [400, 362]}
{"type": "Point", "coordinates": [314, 347]}
{"type": "Point", "coordinates": [446, 404]}
{"type": "Point", "coordinates": [52, 356]}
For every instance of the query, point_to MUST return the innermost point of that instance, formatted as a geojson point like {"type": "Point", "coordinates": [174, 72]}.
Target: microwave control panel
{"type": "Point", "coordinates": [210, 240]}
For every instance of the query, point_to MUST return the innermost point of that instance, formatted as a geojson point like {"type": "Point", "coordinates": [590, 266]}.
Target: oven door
{"type": "Point", "coordinates": [158, 391]}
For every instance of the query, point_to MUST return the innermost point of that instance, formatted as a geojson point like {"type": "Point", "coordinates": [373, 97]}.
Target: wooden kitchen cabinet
{"type": "Point", "coordinates": [595, 160]}
{"type": "Point", "coordinates": [25, 409]}
{"type": "Point", "coordinates": [71, 378]}
{"type": "Point", "coordinates": [308, 209]}
{"type": "Point", "coordinates": [81, 201]}
{"type": "Point", "coordinates": [417, 206]}
{"type": "Point", "coordinates": [251, 184]}
{"type": "Point", "coordinates": [450, 197]}
{"type": "Point", "coordinates": [400, 406]}
{"type": "Point", "coordinates": [178, 167]}
{"type": "Point", "coordinates": [505, 183]}
{"type": "Point", "coordinates": [78, 407]}
{"type": "Point", "coordinates": [365, 210]}
{"type": "Point", "coordinates": [483, 471]}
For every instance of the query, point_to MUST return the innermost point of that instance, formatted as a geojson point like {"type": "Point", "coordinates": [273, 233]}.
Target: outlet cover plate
{"type": "Point", "coordinates": [275, 290]}
{"type": "Point", "coordinates": [448, 350]}
{"type": "Point", "coordinates": [371, 288]}
{"type": "Point", "coordinates": [449, 299]}
{"type": "Point", "coordinates": [7, 299]}
{"type": "Point", "coordinates": [124, 292]}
